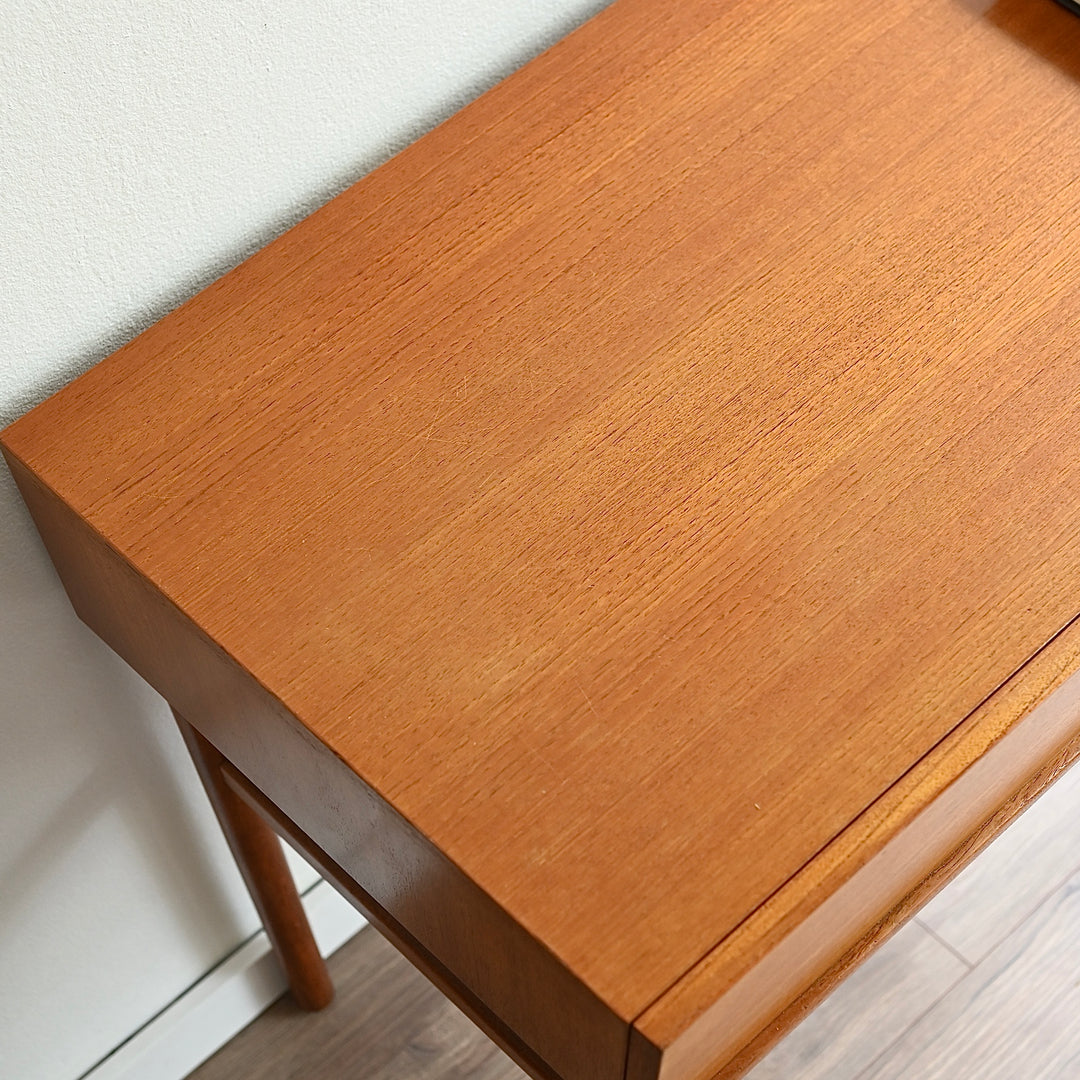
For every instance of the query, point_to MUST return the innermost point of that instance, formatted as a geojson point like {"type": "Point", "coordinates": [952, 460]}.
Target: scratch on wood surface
{"type": "Point", "coordinates": [425, 437]}
{"type": "Point", "coordinates": [588, 700]}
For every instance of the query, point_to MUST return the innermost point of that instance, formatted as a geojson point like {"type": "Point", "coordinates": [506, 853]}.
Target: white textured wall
{"type": "Point", "coordinates": [145, 149]}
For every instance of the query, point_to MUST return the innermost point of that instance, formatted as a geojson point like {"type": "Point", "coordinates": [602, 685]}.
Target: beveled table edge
{"type": "Point", "coordinates": [508, 981]}
{"type": "Point", "coordinates": [757, 983]}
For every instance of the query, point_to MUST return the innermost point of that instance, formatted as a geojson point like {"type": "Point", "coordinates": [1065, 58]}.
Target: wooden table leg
{"type": "Point", "coordinates": [258, 853]}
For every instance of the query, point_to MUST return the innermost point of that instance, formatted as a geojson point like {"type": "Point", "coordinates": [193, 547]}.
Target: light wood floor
{"type": "Point", "coordinates": [983, 985]}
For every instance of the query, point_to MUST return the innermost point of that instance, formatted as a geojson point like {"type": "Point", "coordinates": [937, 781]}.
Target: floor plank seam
{"type": "Point", "coordinates": [1056, 888]}
{"type": "Point", "coordinates": [868, 1070]}
{"type": "Point", "coordinates": [969, 964]}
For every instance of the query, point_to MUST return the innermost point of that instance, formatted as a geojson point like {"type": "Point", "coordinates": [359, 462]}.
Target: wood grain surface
{"type": "Point", "coordinates": [763, 978]}
{"type": "Point", "coordinates": [633, 480]}
{"type": "Point", "coordinates": [490, 965]}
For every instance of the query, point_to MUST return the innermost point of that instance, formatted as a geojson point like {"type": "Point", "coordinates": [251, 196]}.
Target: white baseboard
{"type": "Point", "coordinates": [224, 1001]}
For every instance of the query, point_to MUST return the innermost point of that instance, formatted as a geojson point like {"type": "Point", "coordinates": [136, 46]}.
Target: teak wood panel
{"type": "Point", "coordinates": [507, 981]}
{"type": "Point", "coordinates": [759, 982]}
{"type": "Point", "coordinates": [634, 479]}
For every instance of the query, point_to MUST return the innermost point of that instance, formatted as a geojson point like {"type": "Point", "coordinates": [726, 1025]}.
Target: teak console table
{"type": "Point", "coordinates": [631, 540]}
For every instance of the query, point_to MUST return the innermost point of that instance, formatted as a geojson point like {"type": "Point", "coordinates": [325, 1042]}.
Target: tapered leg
{"type": "Point", "coordinates": [258, 854]}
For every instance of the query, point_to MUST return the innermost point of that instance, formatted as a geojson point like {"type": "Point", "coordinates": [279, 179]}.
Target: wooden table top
{"type": "Point", "coordinates": [635, 478]}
